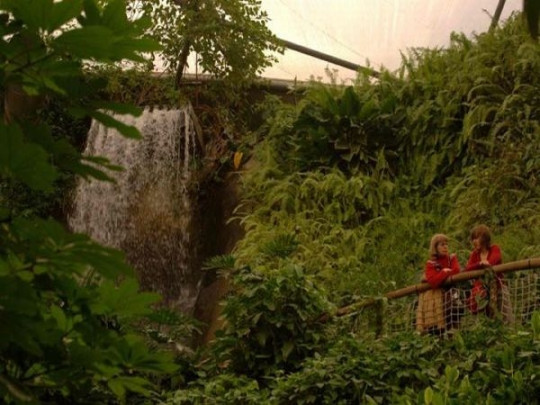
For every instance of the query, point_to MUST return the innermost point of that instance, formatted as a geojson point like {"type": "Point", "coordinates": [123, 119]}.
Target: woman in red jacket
{"type": "Point", "coordinates": [434, 312]}
{"type": "Point", "coordinates": [485, 255]}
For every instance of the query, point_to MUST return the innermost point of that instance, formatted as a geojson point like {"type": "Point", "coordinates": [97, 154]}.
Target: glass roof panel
{"type": "Point", "coordinates": [374, 30]}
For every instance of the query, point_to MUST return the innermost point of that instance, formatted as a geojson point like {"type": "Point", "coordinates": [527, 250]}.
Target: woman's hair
{"type": "Point", "coordinates": [483, 233]}
{"type": "Point", "coordinates": [435, 240]}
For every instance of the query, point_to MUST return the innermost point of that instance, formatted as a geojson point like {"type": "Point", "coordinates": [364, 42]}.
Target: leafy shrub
{"type": "Point", "coordinates": [444, 144]}
{"type": "Point", "coordinates": [270, 322]}
{"type": "Point", "coordinates": [66, 303]}
{"type": "Point", "coordinates": [489, 364]}
{"type": "Point", "coordinates": [222, 389]}
{"type": "Point", "coordinates": [459, 127]}
{"type": "Point", "coordinates": [323, 212]}
{"type": "Point", "coordinates": [341, 127]}
{"type": "Point", "coordinates": [486, 365]}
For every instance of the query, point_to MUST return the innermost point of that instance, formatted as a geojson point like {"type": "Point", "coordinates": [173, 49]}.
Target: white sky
{"type": "Point", "coordinates": [374, 30]}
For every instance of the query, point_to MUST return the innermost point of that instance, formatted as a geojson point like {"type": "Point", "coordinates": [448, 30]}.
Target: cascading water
{"type": "Point", "coordinates": [147, 213]}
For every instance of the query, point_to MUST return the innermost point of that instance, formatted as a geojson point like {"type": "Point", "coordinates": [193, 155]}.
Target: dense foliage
{"type": "Point", "coordinates": [471, 368]}
{"type": "Point", "coordinates": [364, 175]}
{"type": "Point", "coordinates": [485, 365]}
{"type": "Point", "coordinates": [66, 303]}
{"type": "Point", "coordinates": [229, 37]}
{"type": "Point", "coordinates": [279, 330]}
{"type": "Point", "coordinates": [346, 189]}
{"type": "Point", "coordinates": [349, 185]}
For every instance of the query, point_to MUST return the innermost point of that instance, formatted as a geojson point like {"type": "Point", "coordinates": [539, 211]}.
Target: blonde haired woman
{"type": "Point", "coordinates": [433, 312]}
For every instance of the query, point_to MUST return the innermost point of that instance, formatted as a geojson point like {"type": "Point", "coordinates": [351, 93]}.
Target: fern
{"type": "Point", "coordinates": [363, 176]}
{"type": "Point", "coordinates": [222, 262]}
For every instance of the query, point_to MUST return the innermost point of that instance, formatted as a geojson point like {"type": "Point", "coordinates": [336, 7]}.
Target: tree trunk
{"type": "Point", "coordinates": [192, 5]}
{"type": "Point", "coordinates": [182, 62]}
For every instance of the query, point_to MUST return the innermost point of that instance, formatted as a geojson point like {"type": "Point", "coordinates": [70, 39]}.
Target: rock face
{"type": "Point", "coordinates": [217, 208]}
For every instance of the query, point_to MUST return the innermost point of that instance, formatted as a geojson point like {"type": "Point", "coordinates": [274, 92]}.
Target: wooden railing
{"type": "Point", "coordinates": [520, 265]}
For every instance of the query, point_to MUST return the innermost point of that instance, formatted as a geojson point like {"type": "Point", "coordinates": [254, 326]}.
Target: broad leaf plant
{"type": "Point", "coordinates": [65, 301]}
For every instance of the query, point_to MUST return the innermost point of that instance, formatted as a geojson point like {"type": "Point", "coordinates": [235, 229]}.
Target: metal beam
{"type": "Point", "coordinates": [497, 15]}
{"type": "Point", "coordinates": [328, 58]}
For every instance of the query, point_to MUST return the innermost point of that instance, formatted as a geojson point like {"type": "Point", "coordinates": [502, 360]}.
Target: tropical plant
{"type": "Point", "coordinates": [485, 365]}
{"type": "Point", "coordinates": [335, 126]}
{"type": "Point", "coordinates": [223, 389]}
{"type": "Point", "coordinates": [230, 37]}
{"type": "Point", "coordinates": [358, 220]}
{"type": "Point", "coordinates": [272, 322]}
{"type": "Point", "coordinates": [317, 219]}
{"type": "Point", "coordinates": [412, 369]}
{"type": "Point", "coordinates": [66, 303]}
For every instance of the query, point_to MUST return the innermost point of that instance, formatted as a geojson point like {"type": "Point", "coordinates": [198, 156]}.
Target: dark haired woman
{"type": "Point", "coordinates": [485, 255]}
{"type": "Point", "coordinates": [434, 306]}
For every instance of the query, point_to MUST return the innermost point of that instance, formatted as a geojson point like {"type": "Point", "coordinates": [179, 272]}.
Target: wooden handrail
{"type": "Point", "coordinates": [526, 264]}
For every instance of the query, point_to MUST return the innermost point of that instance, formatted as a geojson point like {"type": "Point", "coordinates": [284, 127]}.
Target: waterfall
{"type": "Point", "coordinates": [147, 212]}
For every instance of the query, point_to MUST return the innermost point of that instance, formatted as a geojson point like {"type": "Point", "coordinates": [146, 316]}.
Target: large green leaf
{"type": "Point", "coordinates": [130, 48]}
{"type": "Point", "coordinates": [114, 16]}
{"type": "Point", "coordinates": [101, 42]}
{"type": "Point", "coordinates": [124, 299]}
{"type": "Point", "coordinates": [24, 161]}
{"type": "Point", "coordinates": [47, 15]}
{"type": "Point", "coordinates": [89, 42]}
{"type": "Point", "coordinates": [62, 12]}
{"type": "Point", "coordinates": [88, 171]}
{"type": "Point", "coordinates": [35, 14]}
{"type": "Point", "coordinates": [91, 13]}
{"type": "Point", "coordinates": [55, 69]}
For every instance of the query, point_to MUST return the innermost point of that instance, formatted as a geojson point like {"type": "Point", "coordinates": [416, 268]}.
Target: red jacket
{"type": "Point", "coordinates": [494, 258]}
{"type": "Point", "coordinates": [434, 274]}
